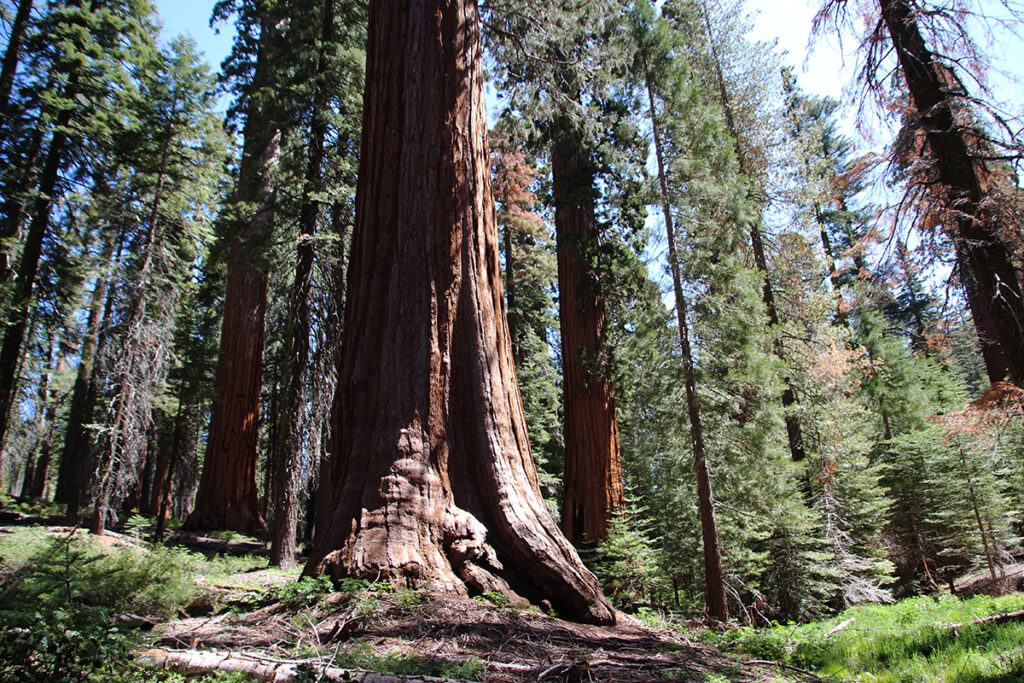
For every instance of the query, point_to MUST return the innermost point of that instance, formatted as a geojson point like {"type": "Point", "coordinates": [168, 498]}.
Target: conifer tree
{"type": "Point", "coordinates": [87, 54]}
{"type": "Point", "coordinates": [328, 78]}
{"type": "Point", "coordinates": [175, 174]}
{"type": "Point", "coordinates": [956, 185]}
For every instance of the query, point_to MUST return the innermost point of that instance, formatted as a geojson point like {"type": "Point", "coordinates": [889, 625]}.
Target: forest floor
{"type": "Point", "coordinates": [202, 606]}
{"type": "Point", "coordinates": [208, 608]}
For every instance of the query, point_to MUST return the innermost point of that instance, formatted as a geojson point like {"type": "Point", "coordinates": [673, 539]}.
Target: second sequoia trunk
{"type": "Point", "coordinates": [593, 477]}
{"type": "Point", "coordinates": [434, 478]}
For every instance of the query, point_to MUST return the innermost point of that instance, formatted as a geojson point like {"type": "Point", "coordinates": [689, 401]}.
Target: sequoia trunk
{"type": "Point", "coordinates": [435, 482]}
{"type": "Point", "coordinates": [228, 497]}
{"type": "Point", "coordinates": [593, 478]}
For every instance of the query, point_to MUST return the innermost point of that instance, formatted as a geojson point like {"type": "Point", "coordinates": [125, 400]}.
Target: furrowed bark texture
{"type": "Point", "coordinates": [228, 496]}
{"type": "Point", "coordinates": [593, 477]}
{"type": "Point", "coordinates": [435, 482]}
{"type": "Point", "coordinates": [987, 271]}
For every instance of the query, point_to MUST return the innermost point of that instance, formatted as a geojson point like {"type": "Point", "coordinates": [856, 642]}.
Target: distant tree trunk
{"type": "Point", "coordinates": [714, 580]}
{"type": "Point", "coordinates": [293, 414]}
{"type": "Point", "coordinates": [228, 496]}
{"type": "Point", "coordinates": [161, 474]}
{"type": "Point", "coordinates": [34, 486]}
{"type": "Point", "coordinates": [145, 503]}
{"type": "Point", "coordinates": [434, 475]}
{"type": "Point", "coordinates": [593, 477]}
{"type": "Point", "coordinates": [326, 484]}
{"type": "Point", "coordinates": [988, 274]}
{"type": "Point", "coordinates": [73, 474]}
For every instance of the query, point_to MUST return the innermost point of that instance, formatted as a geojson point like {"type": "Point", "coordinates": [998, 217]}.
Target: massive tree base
{"type": "Point", "coordinates": [432, 481]}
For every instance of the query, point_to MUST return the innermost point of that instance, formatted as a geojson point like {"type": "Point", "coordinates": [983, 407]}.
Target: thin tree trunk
{"type": "Point", "coordinates": [19, 27]}
{"type": "Point", "coordinates": [435, 479]}
{"type": "Point", "coordinates": [293, 411]}
{"type": "Point", "coordinates": [715, 599]}
{"type": "Point", "coordinates": [990, 279]}
{"type": "Point", "coordinates": [592, 484]}
{"type": "Point", "coordinates": [15, 204]}
{"type": "Point", "coordinates": [28, 267]}
{"type": "Point", "coordinates": [326, 481]}
{"type": "Point", "coordinates": [72, 475]}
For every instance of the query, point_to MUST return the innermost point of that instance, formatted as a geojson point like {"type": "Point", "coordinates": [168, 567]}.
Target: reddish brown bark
{"type": "Point", "coordinates": [435, 482]}
{"type": "Point", "coordinates": [228, 496]}
{"type": "Point", "coordinates": [593, 478]}
{"type": "Point", "coordinates": [990, 280]}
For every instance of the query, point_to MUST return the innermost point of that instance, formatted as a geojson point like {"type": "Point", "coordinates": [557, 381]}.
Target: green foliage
{"type": "Point", "coordinates": [628, 564]}
{"type": "Point", "coordinates": [907, 641]}
{"type": "Point", "coordinates": [494, 598]}
{"type": "Point", "coordinates": [62, 644]}
{"type": "Point", "coordinates": [305, 592]}
{"type": "Point", "coordinates": [58, 606]}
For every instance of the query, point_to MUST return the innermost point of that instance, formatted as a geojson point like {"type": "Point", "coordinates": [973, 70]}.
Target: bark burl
{"type": "Point", "coordinates": [434, 478]}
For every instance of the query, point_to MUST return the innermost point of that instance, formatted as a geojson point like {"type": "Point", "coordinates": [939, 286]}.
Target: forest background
{"type": "Point", "coordinates": [845, 400]}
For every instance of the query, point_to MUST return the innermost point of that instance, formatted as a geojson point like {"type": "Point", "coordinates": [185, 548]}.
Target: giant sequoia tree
{"type": "Point", "coordinates": [227, 496]}
{"type": "Point", "coordinates": [433, 480]}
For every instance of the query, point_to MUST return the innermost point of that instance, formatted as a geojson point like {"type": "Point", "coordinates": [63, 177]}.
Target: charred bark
{"type": "Point", "coordinates": [990, 280]}
{"type": "Point", "coordinates": [592, 483]}
{"type": "Point", "coordinates": [435, 482]}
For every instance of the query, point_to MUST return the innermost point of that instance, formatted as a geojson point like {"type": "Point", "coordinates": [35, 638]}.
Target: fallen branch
{"type": "Point", "coordinates": [993, 619]}
{"type": "Point", "coordinates": [768, 662]}
{"type": "Point", "coordinates": [841, 627]}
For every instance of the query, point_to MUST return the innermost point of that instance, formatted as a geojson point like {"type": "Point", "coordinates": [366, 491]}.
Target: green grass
{"type": "Point", "coordinates": [901, 643]}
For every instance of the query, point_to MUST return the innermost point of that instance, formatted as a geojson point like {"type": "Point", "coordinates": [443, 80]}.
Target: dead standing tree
{"type": "Point", "coordinates": [956, 184]}
{"type": "Point", "coordinates": [434, 481]}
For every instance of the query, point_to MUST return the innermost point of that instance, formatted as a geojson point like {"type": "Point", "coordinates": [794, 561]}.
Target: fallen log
{"type": "Point", "coordinates": [194, 662]}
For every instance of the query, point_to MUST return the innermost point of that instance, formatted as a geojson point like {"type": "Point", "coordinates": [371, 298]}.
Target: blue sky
{"type": "Point", "coordinates": [192, 17]}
